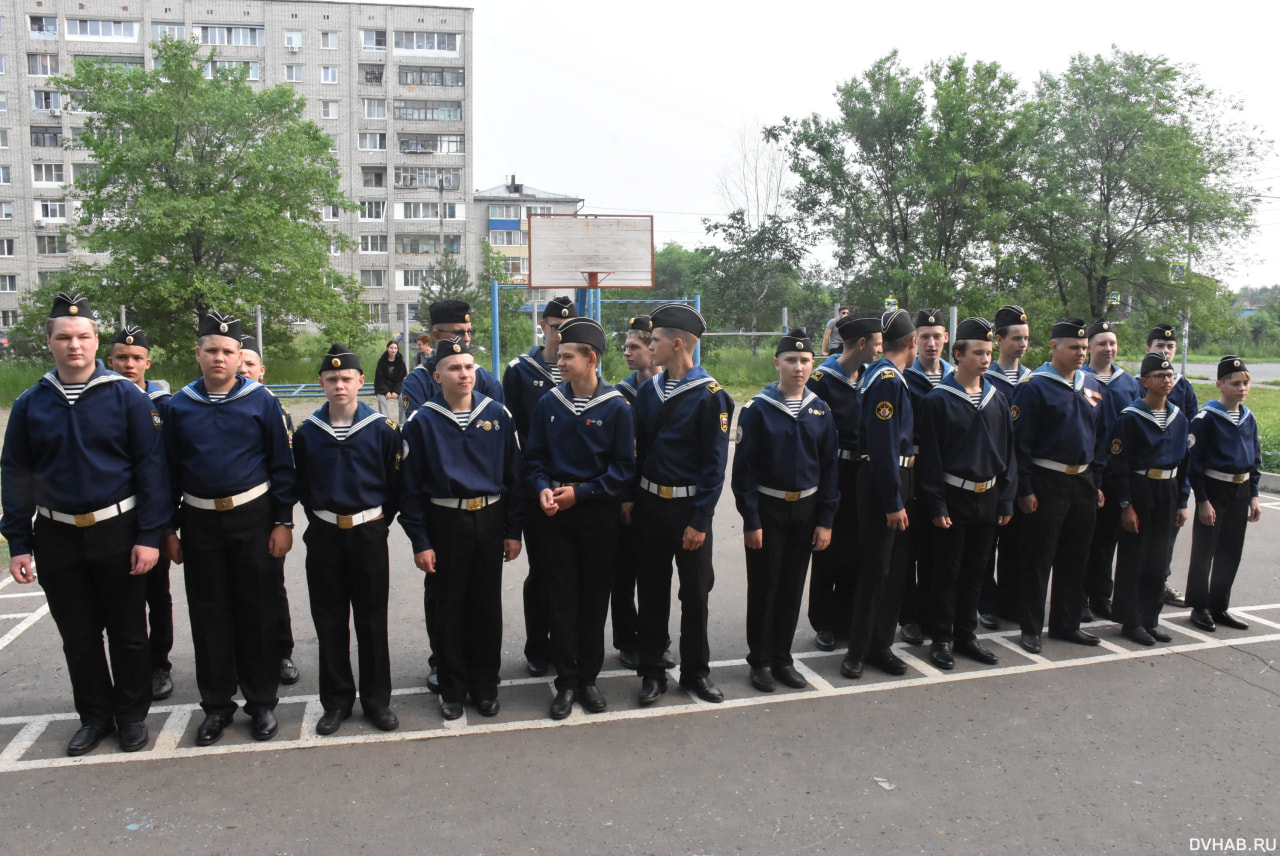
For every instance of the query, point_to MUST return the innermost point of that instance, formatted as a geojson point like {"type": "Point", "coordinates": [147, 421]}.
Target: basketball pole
{"type": "Point", "coordinates": [493, 321]}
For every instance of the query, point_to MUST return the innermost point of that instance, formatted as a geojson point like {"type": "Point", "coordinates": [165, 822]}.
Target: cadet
{"type": "Point", "coordinates": [527, 379]}
{"type": "Point", "coordinates": [580, 460]}
{"type": "Point", "coordinates": [1161, 339]}
{"type": "Point", "coordinates": [450, 319]}
{"type": "Point", "coordinates": [784, 482]}
{"type": "Point", "coordinates": [1225, 458]}
{"type": "Point", "coordinates": [1057, 425]}
{"type": "Point", "coordinates": [1119, 390]}
{"type": "Point", "coordinates": [835, 568]}
{"type": "Point", "coordinates": [682, 444]}
{"type": "Point", "coordinates": [885, 438]}
{"type": "Point", "coordinates": [229, 449]}
{"type": "Point", "coordinates": [1000, 590]}
{"type": "Point", "coordinates": [460, 465]}
{"type": "Point", "coordinates": [966, 480]}
{"type": "Point", "coordinates": [348, 458]}
{"type": "Point", "coordinates": [131, 358]}
{"type": "Point", "coordinates": [1147, 480]}
{"type": "Point", "coordinates": [83, 456]}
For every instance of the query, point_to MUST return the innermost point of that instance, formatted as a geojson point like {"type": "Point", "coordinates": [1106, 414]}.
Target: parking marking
{"type": "Point", "coordinates": [23, 626]}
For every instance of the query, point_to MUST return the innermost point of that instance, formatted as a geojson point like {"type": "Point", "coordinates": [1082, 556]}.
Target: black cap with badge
{"type": "Point", "coordinates": [220, 324]}
{"type": "Point", "coordinates": [1161, 332]}
{"type": "Point", "coordinates": [974, 328]}
{"type": "Point", "coordinates": [1229, 365]}
{"type": "Point", "coordinates": [1154, 363]}
{"type": "Point", "coordinates": [583, 331]}
{"type": "Point", "coordinates": [250, 343]}
{"type": "Point", "coordinates": [560, 307]}
{"type": "Point", "coordinates": [450, 312]}
{"type": "Point", "coordinates": [1102, 325]}
{"type": "Point", "coordinates": [71, 306]}
{"type": "Point", "coordinates": [679, 316]}
{"type": "Point", "coordinates": [795, 342]}
{"type": "Point", "coordinates": [896, 324]}
{"type": "Point", "coordinates": [339, 357]}
{"type": "Point", "coordinates": [1009, 315]}
{"type": "Point", "coordinates": [859, 325]}
{"type": "Point", "coordinates": [640, 322]}
{"type": "Point", "coordinates": [131, 334]}
{"type": "Point", "coordinates": [1068, 328]}
{"type": "Point", "coordinates": [930, 318]}
{"type": "Point", "coordinates": [449, 348]}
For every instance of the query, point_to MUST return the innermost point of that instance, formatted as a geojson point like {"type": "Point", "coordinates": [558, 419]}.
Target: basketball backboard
{"type": "Point", "coordinates": [583, 250]}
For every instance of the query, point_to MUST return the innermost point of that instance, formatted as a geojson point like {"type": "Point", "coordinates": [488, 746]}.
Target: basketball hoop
{"type": "Point", "coordinates": [593, 278]}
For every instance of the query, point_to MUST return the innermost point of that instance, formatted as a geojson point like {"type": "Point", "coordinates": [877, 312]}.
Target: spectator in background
{"type": "Point", "coordinates": [832, 343]}
{"type": "Point", "coordinates": [387, 377]}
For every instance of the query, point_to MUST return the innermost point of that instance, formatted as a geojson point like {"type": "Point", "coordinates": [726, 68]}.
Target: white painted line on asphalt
{"type": "Point", "coordinates": [24, 740]}
{"type": "Point", "coordinates": [920, 663]}
{"type": "Point", "coordinates": [174, 727]}
{"type": "Point", "coordinates": [1015, 647]}
{"type": "Point", "coordinates": [1265, 621]}
{"type": "Point", "coordinates": [12, 615]}
{"type": "Point", "coordinates": [21, 627]}
{"type": "Point", "coordinates": [1111, 646]}
{"type": "Point", "coordinates": [815, 680]}
{"type": "Point", "coordinates": [35, 593]}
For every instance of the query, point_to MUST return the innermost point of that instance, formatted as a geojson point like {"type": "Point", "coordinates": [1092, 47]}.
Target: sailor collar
{"type": "Point", "coordinates": [832, 368]}
{"type": "Point", "coordinates": [882, 367]}
{"type": "Point", "coordinates": [772, 394]}
{"type": "Point", "coordinates": [1048, 371]}
{"type": "Point", "coordinates": [478, 403]}
{"type": "Point", "coordinates": [100, 376]}
{"type": "Point", "coordinates": [603, 393]}
{"type": "Point", "coordinates": [697, 377]}
{"type": "Point", "coordinates": [1141, 409]}
{"type": "Point", "coordinates": [951, 385]}
{"type": "Point", "coordinates": [537, 363]}
{"type": "Point", "coordinates": [1215, 407]}
{"type": "Point", "coordinates": [365, 416]}
{"type": "Point", "coordinates": [195, 390]}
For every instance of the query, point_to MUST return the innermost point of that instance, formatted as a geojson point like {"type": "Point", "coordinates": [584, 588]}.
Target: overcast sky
{"type": "Point", "coordinates": [638, 107]}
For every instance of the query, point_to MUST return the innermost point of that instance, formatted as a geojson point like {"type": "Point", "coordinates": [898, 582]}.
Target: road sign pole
{"type": "Point", "coordinates": [493, 321]}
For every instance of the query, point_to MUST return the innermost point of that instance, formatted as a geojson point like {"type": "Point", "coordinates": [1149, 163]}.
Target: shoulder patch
{"type": "Point", "coordinates": [1191, 440]}
{"type": "Point", "coordinates": [1116, 446]}
{"type": "Point", "coordinates": [749, 403]}
{"type": "Point", "coordinates": [156, 420]}
{"type": "Point", "coordinates": [1015, 412]}
{"type": "Point", "coordinates": [816, 376]}
{"type": "Point", "coordinates": [724, 422]}
{"type": "Point", "coordinates": [888, 374]}
{"type": "Point", "coordinates": [1026, 378]}
{"type": "Point", "coordinates": [737, 435]}
{"type": "Point", "coordinates": [884, 410]}
{"type": "Point", "coordinates": [513, 363]}
{"type": "Point", "coordinates": [391, 423]}
{"type": "Point", "coordinates": [714, 387]}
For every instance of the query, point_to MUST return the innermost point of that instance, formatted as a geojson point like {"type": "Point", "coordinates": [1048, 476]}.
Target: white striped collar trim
{"type": "Point", "coordinates": [781, 404]}
{"type": "Point", "coordinates": [452, 417]}
{"type": "Point", "coordinates": [868, 376]}
{"type": "Point", "coordinates": [599, 398]}
{"type": "Point", "coordinates": [52, 377]}
{"type": "Point", "coordinates": [1048, 371]}
{"type": "Point", "coordinates": [988, 391]}
{"type": "Point", "coordinates": [355, 426]}
{"type": "Point", "coordinates": [539, 365]}
{"type": "Point", "coordinates": [839, 375]}
{"type": "Point", "coordinates": [1215, 407]}
{"type": "Point", "coordinates": [682, 386]}
{"type": "Point", "coordinates": [190, 391]}
{"type": "Point", "coordinates": [1145, 413]}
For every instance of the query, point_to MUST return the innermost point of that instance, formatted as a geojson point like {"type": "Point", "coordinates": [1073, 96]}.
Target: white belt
{"type": "Point", "coordinates": [668, 492]}
{"type": "Point", "coordinates": [1158, 475]}
{"type": "Point", "coordinates": [225, 503]}
{"type": "Point", "coordinates": [474, 503]}
{"type": "Point", "coordinates": [89, 518]}
{"type": "Point", "coordinates": [848, 455]}
{"type": "Point", "coordinates": [964, 484]}
{"type": "Point", "coordinates": [788, 495]}
{"type": "Point", "coordinates": [1069, 469]}
{"type": "Point", "coordinates": [907, 463]}
{"type": "Point", "coordinates": [1234, 478]}
{"type": "Point", "coordinates": [350, 521]}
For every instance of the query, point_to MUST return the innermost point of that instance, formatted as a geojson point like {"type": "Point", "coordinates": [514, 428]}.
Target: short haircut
{"type": "Point", "coordinates": [643, 335]}
{"type": "Point", "coordinates": [1244, 372]}
{"type": "Point", "coordinates": [424, 338]}
{"type": "Point", "coordinates": [200, 341]}
{"type": "Point", "coordinates": [899, 344]}
{"type": "Point", "coordinates": [690, 340]}
{"type": "Point", "coordinates": [1004, 331]}
{"type": "Point", "coordinates": [582, 348]}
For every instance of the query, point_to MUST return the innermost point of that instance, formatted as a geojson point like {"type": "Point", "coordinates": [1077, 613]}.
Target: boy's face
{"type": "Point", "coordinates": [1160, 382]}
{"type": "Point", "coordinates": [1102, 349]}
{"type": "Point", "coordinates": [341, 386]}
{"type": "Point", "coordinates": [251, 365]}
{"type": "Point", "coordinates": [218, 358]}
{"type": "Point", "coordinates": [663, 346]}
{"type": "Point", "coordinates": [73, 343]}
{"type": "Point", "coordinates": [574, 365]}
{"type": "Point", "coordinates": [1234, 388]}
{"type": "Point", "coordinates": [456, 375]}
{"type": "Point", "coordinates": [929, 341]}
{"type": "Point", "coordinates": [976, 359]}
{"type": "Point", "coordinates": [1068, 354]}
{"type": "Point", "coordinates": [795, 367]}
{"type": "Point", "coordinates": [637, 353]}
{"type": "Point", "coordinates": [869, 349]}
{"type": "Point", "coordinates": [130, 361]}
{"type": "Point", "coordinates": [1015, 341]}
{"type": "Point", "coordinates": [1164, 347]}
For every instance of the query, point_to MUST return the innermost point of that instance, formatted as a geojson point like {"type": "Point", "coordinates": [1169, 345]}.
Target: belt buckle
{"type": "Point", "coordinates": [666, 492]}
{"type": "Point", "coordinates": [1073, 470]}
{"type": "Point", "coordinates": [1239, 478]}
{"type": "Point", "coordinates": [224, 503]}
{"type": "Point", "coordinates": [979, 487]}
{"type": "Point", "coordinates": [346, 521]}
{"type": "Point", "coordinates": [475, 503]}
{"type": "Point", "coordinates": [83, 520]}
{"type": "Point", "coordinates": [792, 496]}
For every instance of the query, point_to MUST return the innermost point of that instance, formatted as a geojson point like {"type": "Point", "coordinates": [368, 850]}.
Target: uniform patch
{"type": "Point", "coordinates": [1116, 446]}
{"type": "Point", "coordinates": [884, 409]}
{"type": "Point", "coordinates": [156, 420]}
{"type": "Point", "coordinates": [1014, 412]}
{"type": "Point", "coordinates": [816, 376]}
{"type": "Point", "coordinates": [724, 423]}
{"type": "Point", "coordinates": [391, 424]}
{"type": "Point", "coordinates": [1191, 440]}
{"type": "Point", "coordinates": [748, 404]}
{"type": "Point", "coordinates": [714, 387]}
{"type": "Point", "coordinates": [888, 374]}
{"type": "Point", "coordinates": [737, 435]}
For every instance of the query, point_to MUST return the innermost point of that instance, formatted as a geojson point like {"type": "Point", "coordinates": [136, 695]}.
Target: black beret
{"type": "Point", "coordinates": [852, 329]}
{"type": "Point", "coordinates": [795, 342]}
{"type": "Point", "coordinates": [448, 348]}
{"type": "Point", "coordinates": [560, 307]}
{"type": "Point", "coordinates": [930, 318]}
{"type": "Point", "coordinates": [220, 324]}
{"type": "Point", "coordinates": [1102, 325]}
{"type": "Point", "coordinates": [679, 316]}
{"type": "Point", "coordinates": [1010, 314]}
{"type": "Point", "coordinates": [896, 323]}
{"type": "Point", "coordinates": [1163, 332]}
{"type": "Point", "coordinates": [1153, 363]}
{"type": "Point", "coordinates": [250, 343]}
{"type": "Point", "coordinates": [1068, 328]}
{"type": "Point", "coordinates": [583, 331]}
{"type": "Point", "coordinates": [339, 357]}
{"type": "Point", "coordinates": [640, 322]}
{"type": "Point", "coordinates": [1229, 365]}
{"type": "Point", "coordinates": [974, 328]}
{"type": "Point", "coordinates": [450, 312]}
{"type": "Point", "coordinates": [131, 334]}
{"type": "Point", "coordinates": [71, 306]}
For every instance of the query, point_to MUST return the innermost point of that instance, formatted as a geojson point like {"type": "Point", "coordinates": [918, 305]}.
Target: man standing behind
{"type": "Point", "coordinates": [832, 340]}
{"type": "Point", "coordinates": [450, 319]}
{"type": "Point", "coordinates": [1163, 340]}
{"type": "Point", "coordinates": [83, 456]}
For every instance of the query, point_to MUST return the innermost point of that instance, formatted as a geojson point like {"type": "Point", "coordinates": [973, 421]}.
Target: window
{"type": "Point", "coordinates": [408, 40]}
{"type": "Point", "coordinates": [375, 108]}
{"type": "Point", "coordinates": [51, 245]}
{"type": "Point", "coordinates": [81, 172]}
{"type": "Point", "coordinates": [417, 245]}
{"type": "Point", "coordinates": [328, 109]}
{"type": "Point", "coordinates": [373, 278]}
{"type": "Point", "coordinates": [416, 75]}
{"type": "Point", "coordinates": [51, 209]}
{"type": "Point", "coordinates": [371, 74]}
{"type": "Point", "coordinates": [48, 277]}
{"type": "Point", "coordinates": [428, 176]}
{"type": "Point", "coordinates": [8, 317]}
{"type": "Point", "coordinates": [250, 66]}
{"type": "Point", "coordinates": [333, 143]}
{"type": "Point", "coordinates": [520, 265]}
{"type": "Point", "coordinates": [44, 100]}
{"type": "Point", "coordinates": [329, 212]}
{"type": "Point", "coordinates": [504, 212]}
{"type": "Point", "coordinates": [329, 41]}
{"type": "Point", "coordinates": [173, 31]}
{"type": "Point", "coordinates": [538, 209]}
{"type": "Point", "coordinates": [442, 143]}
{"type": "Point", "coordinates": [428, 211]}
{"type": "Point", "coordinates": [373, 210]}
{"type": "Point", "coordinates": [5, 177]}
{"type": "Point", "coordinates": [43, 27]}
{"type": "Point", "coordinates": [376, 313]}
{"type": "Point", "coordinates": [8, 282]}
{"type": "Point", "coordinates": [373, 177]}
{"type": "Point", "coordinates": [373, 243]}
{"type": "Point", "coordinates": [46, 136]}
{"type": "Point", "coordinates": [6, 212]}
{"type": "Point", "coordinates": [101, 29]}
{"type": "Point", "coordinates": [372, 142]}
{"type": "Point", "coordinates": [125, 62]}
{"type": "Point", "coordinates": [4, 102]}
{"type": "Point", "coordinates": [292, 39]}
{"type": "Point", "coordinates": [414, 279]}
{"type": "Point", "coordinates": [335, 249]}
{"type": "Point", "coordinates": [328, 74]}
{"type": "Point", "coordinates": [428, 110]}
{"type": "Point", "coordinates": [42, 65]}
{"type": "Point", "coordinates": [251, 36]}
{"type": "Point", "coordinates": [4, 138]}
{"type": "Point", "coordinates": [293, 73]}
{"type": "Point", "coordinates": [6, 247]}
{"type": "Point", "coordinates": [47, 173]}
{"type": "Point", "coordinates": [370, 40]}
{"type": "Point", "coordinates": [509, 239]}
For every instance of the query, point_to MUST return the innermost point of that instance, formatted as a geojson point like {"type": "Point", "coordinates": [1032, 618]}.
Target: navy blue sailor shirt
{"type": "Point", "coordinates": [441, 459]}
{"type": "Point", "coordinates": [1137, 443]}
{"type": "Point", "coordinates": [785, 451]}
{"type": "Point", "coordinates": [629, 387]}
{"type": "Point", "coordinates": [77, 458]}
{"type": "Point", "coordinates": [352, 474]}
{"type": "Point", "coordinates": [594, 450]}
{"type": "Point", "coordinates": [682, 439]}
{"type": "Point", "coordinates": [833, 385]}
{"type": "Point", "coordinates": [1001, 381]}
{"type": "Point", "coordinates": [420, 387]}
{"type": "Point", "coordinates": [527, 379]}
{"type": "Point", "coordinates": [159, 397]}
{"type": "Point", "coordinates": [970, 441]}
{"type": "Point", "coordinates": [886, 431]}
{"type": "Point", "coordinates": [1217, 443]}
{"type": "Point", "coordinates": [1117, 393]}
{"type": "Point", "coordinates": [1057, 420]}
{"type": "Point", "coordinates": [224, 447]}
{"type": "Point", "coordinates": [918, 380]}
{"type": "Point", "coordinates": [1184, 395]}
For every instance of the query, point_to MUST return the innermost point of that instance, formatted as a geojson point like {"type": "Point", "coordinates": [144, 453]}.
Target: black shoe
{"type": "Point", "coordinates": [1139, 635]}
{"type": "Point", "coordinates": [1173, 597]}
{"type": "Point", "coordinates": [537, 667]}
{"type": "Point", "coordinates": [761, 679]}
{"type": "Point", "coordinates": [1202, 619]}
{"type": "Point", "coordinates": [788, 675]}
{"type": "Point", "coordinates": [381, 718]}
{"type": "Point", "coordinates": [562, 705]}
{"type": "Point", "coordinates": [288, 672]}
{"type": "Point", "coordinates": [989, 620]}
{"type": "Point", "coordinates": [1158, 633]}
{"type": "Point", "coordinates": [591, 699]}
{"type": "Point", "coordinates": [629, 659]}
{"type": "Point", "coordinates": [210, 731]}
{"type": "Point", "coordinates": [650, 689]}
{"type": "Point", "coordinates": [851, 667]}
{"type": "Point", "coordinates": [433, 680]}
{"type": "Point", "coordinates": [911, 634]}
{"type": "Point", "coordinates": [264, 725]}
{"type": "Point", "coordinates": [87, 738]}
{"type": "Point", "coordinates": [332, 721]}
{"type": "Point", "coordinates": [703, 688]}
{"type": "Point", "coordinates": [1079, 637]}
{"type": "Point", "coordinates": [1086, 614]}
{"type": "Point", "coordinates": [1102, 609]}
{"type": "Point", "coordinates": [940, 654]}
{"type": "Point", "coordinates": [1030, 642]}
{"type": "Point", "coordinates": [668, 659]}
{"type": "Point", "coordinates": [974, 650]}
{"type": "Point", "coordinates": [450, 709]}
{"type": "Point", "coordinates": [133, 736]}
{"type": "Point", "coordinates": [825, 640]}
{"type": "Point", "coordinates": [888, 662]}
{"type": "Point", "coordinates": [1226, 619]}
{"type": "Point", "coordinates": [161, 684]}
{"type": "Point", "coordinates": [488, 706]}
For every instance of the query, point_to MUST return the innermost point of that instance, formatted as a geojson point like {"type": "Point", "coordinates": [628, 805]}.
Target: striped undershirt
{"type": "Point", "coordinates": [463, 418]}
{"type": "Point", "coordinates": [580, 404]}
{"type": "Point", "coordinates": [1011, 374]}
{"type": "Point", "coordinates": [1234, 416]}
{"type": "Point", "coordinates": [555, 373]}
{"type": "Point", "coordinates": [1162, 416]}
{"type": "Point", "coordinates": [976, 397]}
{"type": "Point", "coordinates": [72, 391]}
{"type": "Point", "coordinates": [341, 431]}
{"type": "Point", "coordinates": [935, 378]}
{"type": "Point", "coordinates": [669, 386]}
{"type": "Point", "coordinates": [1105, 378]}
{"type": "Point", "coordinates": [793, 404]}
{"type": "Point", "coordinates": [215, 396]}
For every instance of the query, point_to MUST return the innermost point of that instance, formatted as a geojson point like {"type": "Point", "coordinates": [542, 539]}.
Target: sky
{"type": "Point", "coordinates": [639, 107]}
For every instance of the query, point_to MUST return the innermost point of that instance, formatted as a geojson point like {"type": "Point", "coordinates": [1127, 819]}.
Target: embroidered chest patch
{"type": "Point", "coordinates": [884, 410]}
{"type": "Point", "coordinates": [1116, 446]}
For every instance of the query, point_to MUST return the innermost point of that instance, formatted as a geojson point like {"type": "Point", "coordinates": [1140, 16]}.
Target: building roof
{"type": "Point", "coordinates": [514, 190]}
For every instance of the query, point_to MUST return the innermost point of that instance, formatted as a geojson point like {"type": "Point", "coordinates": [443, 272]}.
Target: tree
{"type": "Point", "coordinates": [207, 194]}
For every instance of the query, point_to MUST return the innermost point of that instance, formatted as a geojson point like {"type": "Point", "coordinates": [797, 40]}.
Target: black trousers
{"type": "Point", "coordinates": [835, 569]}
{"type": "Point", "coordinates": [1003, 574]}
{"type": "Point", "coordinates": [580, 543]}
{"type": "Point", "coordinates": [1215, 550]}
{"type": "Point", "coordinates": [915, 589]}
{"type": "Point", "coordinates": [886, 559]}
{"type": "Point", "coordinates": [661, 524]}
{"type": "Point", "coordinates": [958, 561]}
{"type": "Point", "coordinates": [1098, 585]}
{"type": "Point", "coordinates": [1143, 558]}
{"type": "Point", "coordinates": [466, 596]}
{"type": "Point", "coordinates": [232, 597]}
{"type": "Point", "coordinates": [775, 578]}
{"type": "Point", "coordinates": [284, 623]}
{"type": "Point", "coordinates": [537, 607]}
{"type": "Point", "coordinates": [348, 578]}
{"type": "Point", "coordinates": [86, 580]}
{"type": "Point", "coordinates": [1056, 538]}
{"type": "Point", "coordinates": [160, 615]}
{"type": "Point", "coordinates": [622, 600]}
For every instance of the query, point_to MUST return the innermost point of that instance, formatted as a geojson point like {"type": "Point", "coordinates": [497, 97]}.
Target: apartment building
{"type": "Point", "coordinates": [501, 216]}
